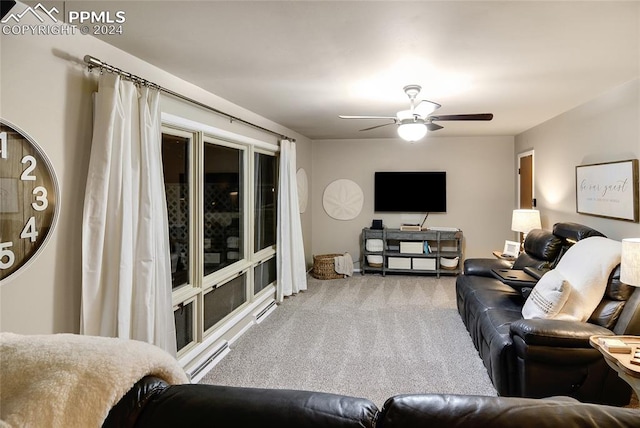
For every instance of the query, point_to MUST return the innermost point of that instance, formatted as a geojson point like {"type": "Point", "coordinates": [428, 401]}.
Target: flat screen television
{"type": "Point", "coordinates": [410, 192]}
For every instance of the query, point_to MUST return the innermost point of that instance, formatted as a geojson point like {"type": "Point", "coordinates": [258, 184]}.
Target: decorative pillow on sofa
{"type": "Point", "coordinates": [548, 297]}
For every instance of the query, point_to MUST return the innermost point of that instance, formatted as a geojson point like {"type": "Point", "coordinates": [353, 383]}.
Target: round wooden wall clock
{"type": "Point", "coordinates": [28, 199]}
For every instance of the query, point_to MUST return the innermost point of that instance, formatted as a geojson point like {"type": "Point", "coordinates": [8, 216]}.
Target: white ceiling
{"type": "Point", "coordinates": [301, 63]}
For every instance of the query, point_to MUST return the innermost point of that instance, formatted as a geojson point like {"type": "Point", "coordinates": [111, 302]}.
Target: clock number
{"type": "Point", "coordinates": [6, 253]}
{"type": "Point", "coordinates": [29, 230]}
{"type": "Point", "coordinates": [42, 202]}
{"type": "Point", "coordinates": [3, 145]}
{"type": "Point", "coordinates": [26, 174]}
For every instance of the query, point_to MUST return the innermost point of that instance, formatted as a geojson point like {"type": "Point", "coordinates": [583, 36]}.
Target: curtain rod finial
{"type": "Point", "coordinates": [91, 61]}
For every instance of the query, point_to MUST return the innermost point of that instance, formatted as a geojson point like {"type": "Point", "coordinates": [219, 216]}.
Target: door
{"type": "Point", "coordinates": [525, 184]}
{"type": "Point", "coordinates": [525, 174]}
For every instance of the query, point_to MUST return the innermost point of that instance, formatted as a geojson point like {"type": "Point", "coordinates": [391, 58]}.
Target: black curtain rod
{"type": "Point", "coordinates": [93, 62]}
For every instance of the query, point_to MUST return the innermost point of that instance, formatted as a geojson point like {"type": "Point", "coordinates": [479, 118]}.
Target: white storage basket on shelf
{"type": "Point", "coordinates": [447, 263]}
{"type": "Point", "coordinates": [374, 260]}
{"type": "Point", "coordinates": [374, 245]}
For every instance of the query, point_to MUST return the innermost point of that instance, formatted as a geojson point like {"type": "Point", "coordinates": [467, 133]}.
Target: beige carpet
{"type": "Point", "coordinates": [367, 336]}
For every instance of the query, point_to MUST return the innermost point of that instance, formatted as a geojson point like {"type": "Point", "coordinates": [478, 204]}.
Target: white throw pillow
{"type": "Point", "coordinates": [548, 296]}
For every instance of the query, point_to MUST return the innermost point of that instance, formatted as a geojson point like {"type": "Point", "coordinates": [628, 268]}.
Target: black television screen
{"type": "Point", "coordinates": [410, 192]}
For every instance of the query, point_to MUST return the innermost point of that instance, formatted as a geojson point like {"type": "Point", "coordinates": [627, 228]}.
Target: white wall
{"type": "Point", "coordinates": [603, 130]}
{"type": "Point", "coordinates": [480, 187]}
{"type": "Point", "coordinates": [46, 91]}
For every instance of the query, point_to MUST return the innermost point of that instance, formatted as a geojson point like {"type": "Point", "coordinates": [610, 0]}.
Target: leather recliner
{"type": "Point", "coordinates": [542, 358]}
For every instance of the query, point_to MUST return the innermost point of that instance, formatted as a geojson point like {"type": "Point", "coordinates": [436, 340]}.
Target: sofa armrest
{"type": "Point", "coordinates": [125, 413]}
{"type": "Point", "coordinates": [199, 405]}
{"type": "Point", "coordinates": [483, 267]}
{"type": "Point", "coordinates": [535, 272]}
{"type": "Point", "coordinates": [556, 333]}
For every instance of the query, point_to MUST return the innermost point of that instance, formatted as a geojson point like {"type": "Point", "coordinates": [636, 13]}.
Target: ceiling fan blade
{"type": "Point", "coordinates": [367, 117]}
{"type": "Point", "coordinates": [478, 116]}
{"type": "Point", "coordinates": [433, 126]}
{"type": "Point", "coordinates": [426, 107]}
{"type": "Point", "coordinates": [377, 126]}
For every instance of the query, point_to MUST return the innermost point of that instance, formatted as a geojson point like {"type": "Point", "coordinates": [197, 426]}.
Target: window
{"type": "Point", "coordinates": [265, 203]}
{"type": "Point", "coordinates": [221, 202]}
{"type": "Point", "coordinates": [175, 161]}
{"type": "Point", "coordinates": [223, 300]}
{"type": "Point", "coordinates": [223, 194]}
{"type": "Point", "coordinates": [183, 317]}
{"type": "Point", "coordinates": [264, 274]}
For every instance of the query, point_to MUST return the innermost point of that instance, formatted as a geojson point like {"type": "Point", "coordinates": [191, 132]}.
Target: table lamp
{"type": "Point", "coordinates": [630, 262]}
{"type": "Point", "coordinates": [524, 221]}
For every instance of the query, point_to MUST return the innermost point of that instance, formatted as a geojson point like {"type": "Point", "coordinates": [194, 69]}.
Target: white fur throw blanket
{"type": "Point", "coordinates": [67, 380]}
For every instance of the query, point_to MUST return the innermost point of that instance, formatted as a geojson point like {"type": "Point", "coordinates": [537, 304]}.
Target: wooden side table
{"type": "Point", "coordinates": [629, 372]}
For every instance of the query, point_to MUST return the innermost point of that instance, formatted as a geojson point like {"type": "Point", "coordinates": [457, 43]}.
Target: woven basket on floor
{"type": "Point", "coordinates": [324, 267]}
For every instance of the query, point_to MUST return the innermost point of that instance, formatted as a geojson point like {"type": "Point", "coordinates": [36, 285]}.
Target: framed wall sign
{"type": "Point", "coordinates": [28, 199]}
{"type": "Point", "coordinates": [608, 190]}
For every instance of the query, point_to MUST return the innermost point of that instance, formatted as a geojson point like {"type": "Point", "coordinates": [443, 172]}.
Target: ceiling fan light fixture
{"type": "Point", "coordinates": [414, 123]}
{"type": "Point", "coordinates": [412, 131]}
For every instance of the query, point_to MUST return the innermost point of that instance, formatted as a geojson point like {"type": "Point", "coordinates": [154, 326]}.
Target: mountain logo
{"type": "Point", "coordinates": [36, 11]}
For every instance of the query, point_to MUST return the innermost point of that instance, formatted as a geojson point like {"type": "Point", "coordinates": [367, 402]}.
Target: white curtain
{"type": "Point", "coordinates": [291, 276]}
{"type": "Point", "coordinates": [126, 270]}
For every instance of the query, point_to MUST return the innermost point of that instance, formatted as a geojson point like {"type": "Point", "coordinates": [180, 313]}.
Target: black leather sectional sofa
{"type": "Point", "coordinates": [543, 358]}
{"type": "Point", "coordinates": [153, 403]}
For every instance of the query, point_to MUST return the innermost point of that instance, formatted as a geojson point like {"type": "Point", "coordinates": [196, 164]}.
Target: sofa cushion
{"type": "Point", "coordinates": [469, 285]}
{"type": "Point", "coordinates": [525, 260]}
{"type": "Point", "coordinates": [570, 233]}
{"type": "Point", "coordinates": [613, 303]}
{"type": "Point", "coordinates": [616, 289]}
{"type": "Point", "coordinates": [548, 296]}
{"type": "Point", "coordinates": [574, 231]}
{"type": "Point", "coordinates": [607, 313]}
{"type": "Point", "coordinates": [541, 247]}
{"type": "Point", "coordinates": [488, 293]}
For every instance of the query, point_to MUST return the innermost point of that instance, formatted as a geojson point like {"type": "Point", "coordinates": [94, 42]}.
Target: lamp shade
{"type": "Point", "coordinates": [630, 262]}
{"type": "Point", "coordinates": [525, 220]}
{"type": "Point", "coordinates": [412, 131]}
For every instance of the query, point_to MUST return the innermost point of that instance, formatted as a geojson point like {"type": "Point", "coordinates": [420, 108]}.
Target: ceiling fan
{"type": "Point", "coordinates": [414, 123]}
